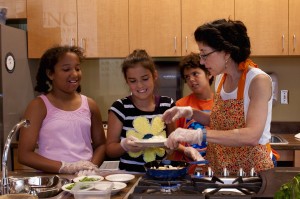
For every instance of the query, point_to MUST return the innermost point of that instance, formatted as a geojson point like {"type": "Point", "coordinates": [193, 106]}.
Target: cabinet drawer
{"type": "Point", "coordinates": [286, 155]}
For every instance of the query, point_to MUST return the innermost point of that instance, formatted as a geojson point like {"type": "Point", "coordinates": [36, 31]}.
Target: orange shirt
{"type": "Point", "coordinates": [191, 100]}
{"type": "Point", "coordinates": [203, 105]}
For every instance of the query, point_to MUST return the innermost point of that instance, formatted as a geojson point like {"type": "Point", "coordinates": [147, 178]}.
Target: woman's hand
{"type": "Point", "coordinates": [184, 135]}
{"type": "Point", "coordinates": [176, 112]}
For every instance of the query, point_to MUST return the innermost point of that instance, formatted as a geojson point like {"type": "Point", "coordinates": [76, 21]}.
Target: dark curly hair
{"type": "Point", "coordinates": [193, 61]}
{"type": "Point", "coordinates": [229, 36]}
{"type": "Point", "coordinates": [138, 56]}
{"type": "Point", "coordinates": [48, 60]}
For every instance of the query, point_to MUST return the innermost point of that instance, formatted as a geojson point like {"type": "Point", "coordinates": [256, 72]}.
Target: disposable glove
{"type": "Point", "coordinates": [176, 112]}
{"type": "Point", "coordinates": [73, 167]}
{"type": "Point", "coordinates": [128, 144]}
{"type": "Point", "coordinates": [193, 153]}
{"type": "Point", "coordinates": [88, 172]}
{"type": "Point", "coordinates": [184, 135]}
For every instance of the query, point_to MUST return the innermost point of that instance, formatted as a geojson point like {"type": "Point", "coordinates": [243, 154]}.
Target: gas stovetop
{"type": "Point", "coordinates": [264, 185]}
{"type": "Point", "coordinates": [197, 187]}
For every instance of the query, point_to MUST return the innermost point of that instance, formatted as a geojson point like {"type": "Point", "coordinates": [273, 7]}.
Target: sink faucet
{"type": "Point", "coordinates": [5, 183]}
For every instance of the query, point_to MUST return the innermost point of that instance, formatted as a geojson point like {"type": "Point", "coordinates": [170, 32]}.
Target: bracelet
{"type": "Point", "coordinates": [204, 132]}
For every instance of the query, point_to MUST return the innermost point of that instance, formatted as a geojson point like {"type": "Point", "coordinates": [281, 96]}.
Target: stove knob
{"type": "Point", "coordinates": [241, 173]}
{"type": "Point", "coordinates": [252, 173]}
{"type": "Point", "coordinates": [225, 172]}
{"type": "Point", "coordinates": [210, 173]}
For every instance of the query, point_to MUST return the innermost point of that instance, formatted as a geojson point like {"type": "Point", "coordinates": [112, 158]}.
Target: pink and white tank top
{"type": "Point", "coordinates": [66, 135]}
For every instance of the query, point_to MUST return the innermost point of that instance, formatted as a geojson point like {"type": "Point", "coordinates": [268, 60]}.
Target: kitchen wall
{"type": "Point", "coordinates": [103, 81]}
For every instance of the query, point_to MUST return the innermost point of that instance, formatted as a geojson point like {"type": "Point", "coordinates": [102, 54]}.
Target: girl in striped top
{"type": "Point", "coordinates": [137, 116]}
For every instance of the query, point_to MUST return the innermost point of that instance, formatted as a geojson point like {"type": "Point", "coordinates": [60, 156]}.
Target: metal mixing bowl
{"type": "Point", "coordinates": [42, 186]}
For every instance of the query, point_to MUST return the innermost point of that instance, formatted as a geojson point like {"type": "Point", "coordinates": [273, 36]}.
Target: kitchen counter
{"type": "Point", "coordinates": [123, 194]}
{"type": "Point", "coordinates": [294, 144]}
{"type": "Point", "coordinates": [272, 180]}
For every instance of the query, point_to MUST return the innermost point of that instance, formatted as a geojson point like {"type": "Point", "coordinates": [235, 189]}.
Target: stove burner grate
{"type": "Point", "coordinates": [177, 186]}
{"type": "Point", "coordinates": [237, 186]}
{"type": "Point", "coordinates": [204, 187]}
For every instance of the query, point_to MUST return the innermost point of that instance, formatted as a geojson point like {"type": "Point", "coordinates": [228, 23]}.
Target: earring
{"type": "Point", "coordinates": [226, 63]}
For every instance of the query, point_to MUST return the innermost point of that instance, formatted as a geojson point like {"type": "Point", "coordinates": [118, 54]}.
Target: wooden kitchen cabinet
{"type": "Point", "coordinates": [297, 158]}
{"type": "Point", "coordinates": [294, 28]}
{"type": "Point", "coordinates": [267, 25]}
{"type": "Point", "coordinates": [49, 23]}
{"type": "Point", "coordinates": [290, 156]}
{"type": "Point", "coordinates": [196, 13]}
{"type": "Point", "coordinates": [155, 26]}
{"type": "Point", "coordinates": [103, 27]}
{"type": "Point", "coordinates": [100, 27]}
{"type": "Point", "coordinates": [16, 9]}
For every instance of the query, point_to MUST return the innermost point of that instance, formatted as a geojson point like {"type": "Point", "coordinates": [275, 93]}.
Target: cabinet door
{"type": "Point", "coordinates": [294, 28]}
{"type": "Point", "coordinates": [50, 22]}
{"type": "Point", "coordinates": [196, 13]}
{"type": "Point", "coordinates": [267, 25]}
{"type": "Point", "coordinates": [297, 158]}
{"type": "Point", "coordinates": [103, 27]}
{"type": "Point", "coordinates": [16, 8]}
{"type": "Point", "coordinates": [155, 26]}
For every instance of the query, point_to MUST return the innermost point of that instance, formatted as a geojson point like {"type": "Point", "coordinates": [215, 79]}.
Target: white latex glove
{"type": "Point", "coordinates": [128, 144]}
{"type": "Point", "coordinates": [87, 172]}
{"type": "Point", "coordinates": [193, 153]}
{"type": "Point", "coordinates": [184, 135]}
{"type": "Point", "coordinates": [73, 167]}
{"type": "Point", "coordinates": [176, 112]}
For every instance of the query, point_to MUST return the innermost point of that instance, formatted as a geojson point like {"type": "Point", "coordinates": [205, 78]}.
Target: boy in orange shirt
{"type": "Point", "coordinates": [199, 80]}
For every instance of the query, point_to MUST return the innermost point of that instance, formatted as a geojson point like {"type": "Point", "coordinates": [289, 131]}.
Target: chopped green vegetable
{"type": "Point", "coordinates": [88, 179]}
{"type": "Point", "coordinates": [84, 187]}
{"type": "Point", "coordinates": [70, 186]}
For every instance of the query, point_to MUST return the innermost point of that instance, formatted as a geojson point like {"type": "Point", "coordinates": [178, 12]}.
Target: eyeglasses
{"type": "Point", "coordinates": [204, 57]}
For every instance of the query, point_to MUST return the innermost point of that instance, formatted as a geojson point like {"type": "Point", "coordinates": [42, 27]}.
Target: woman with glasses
{"type": "Point", "coordinates": [241, 115]}
{"type": "Point", "coordinates": [199, 81]}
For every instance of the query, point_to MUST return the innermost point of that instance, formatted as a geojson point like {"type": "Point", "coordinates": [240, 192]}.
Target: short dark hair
{"type": "Point", "coordinates": [193, 61]}
{"type": "Point", "coordinates": [229, 36]}
{"type": "Point", "coordinates": [48, 60]}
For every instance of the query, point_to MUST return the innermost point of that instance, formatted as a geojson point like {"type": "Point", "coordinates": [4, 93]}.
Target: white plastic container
{"type": "Point", "coordinates": [92, 190]}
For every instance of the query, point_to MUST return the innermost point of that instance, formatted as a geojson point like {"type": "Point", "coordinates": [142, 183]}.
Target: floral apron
{"type": "Point", "coordinates": [227, 115]}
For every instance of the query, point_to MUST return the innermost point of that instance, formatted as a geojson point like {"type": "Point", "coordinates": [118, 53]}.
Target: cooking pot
{"type": "Point", "coordinates": [168, 169]}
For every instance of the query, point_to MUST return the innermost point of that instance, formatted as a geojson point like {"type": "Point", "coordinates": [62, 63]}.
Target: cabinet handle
{"type": "Point", "coordinates": [186, 43]}
{"type": "Point", "coordinates": [72, 42]}
{"type": "Point", "coordinates": [175, 44]}
{"type": "Point", "coordinates": [282, 43]}
{"type": "Point", "coordinates": [294, 42]}
{"type": "Point", "coordinates": [82, 43]}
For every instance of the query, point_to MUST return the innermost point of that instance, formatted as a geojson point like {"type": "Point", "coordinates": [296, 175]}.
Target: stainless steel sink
{"type": "Point", "coordinates": [42, 186]}
{"type": "Point", "coordinates": [276, 139]}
